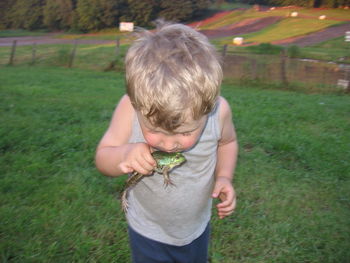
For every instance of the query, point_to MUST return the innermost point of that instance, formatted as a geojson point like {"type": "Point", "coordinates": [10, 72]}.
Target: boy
{"type": "Point", "coordinates": [173, 78]}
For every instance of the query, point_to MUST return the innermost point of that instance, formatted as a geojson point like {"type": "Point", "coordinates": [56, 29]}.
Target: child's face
{"type": "Point", "coordinates": [181, 139]}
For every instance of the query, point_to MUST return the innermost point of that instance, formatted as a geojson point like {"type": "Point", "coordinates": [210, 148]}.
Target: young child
{"type": "Point", "coordinates": [173, 78]}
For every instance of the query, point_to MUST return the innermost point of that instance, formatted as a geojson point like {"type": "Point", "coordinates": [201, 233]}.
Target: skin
{"type": "Point", "coordinates": [115, 156]}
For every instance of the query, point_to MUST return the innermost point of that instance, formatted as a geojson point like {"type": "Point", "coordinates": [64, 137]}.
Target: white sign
{"type": "Point", "coordinates": [238, 41]}
{"type": "Point", "coordinates": [343, 83]}
{"type": "Point", "coordinates": [126, 26]}
{"type": "Point", "coordinates": [347, 36]}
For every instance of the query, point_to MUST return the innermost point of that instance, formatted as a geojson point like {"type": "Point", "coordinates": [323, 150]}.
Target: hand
{"type": "Point", "coordinates": [138, 158]}
{"type": "Point", "coordinates": [224, 190]}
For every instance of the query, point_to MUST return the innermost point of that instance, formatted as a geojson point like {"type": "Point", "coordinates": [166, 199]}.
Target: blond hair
{"type": "Point", "coordinates": [171, 73]}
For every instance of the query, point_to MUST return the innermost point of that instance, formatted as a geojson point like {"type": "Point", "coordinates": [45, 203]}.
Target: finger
{"type": "Point", "coordinates": [150, 160]}
{"type": "Point", "coordinates": [223, 212]}
{"type": "Point", "coordinates": [126, 168]}
{"type": "Point", "coordinates": [226, 211]}
{"type": "Point", "coordinates": [147, 162]}
{"type": "Point", "coordinates": [216, 191]}
{"type": "Point", "coordinates": [226, 198]}
{"type": "Point", "coordinates": [223, 215]}
{"type": "Point", "coordinates": [142, 168]}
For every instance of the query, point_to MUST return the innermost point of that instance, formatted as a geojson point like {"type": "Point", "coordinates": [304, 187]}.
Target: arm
{"type": "Point", "coordinates": [226, 163]}
{"type": "Point", "coordinates": [114, 155]}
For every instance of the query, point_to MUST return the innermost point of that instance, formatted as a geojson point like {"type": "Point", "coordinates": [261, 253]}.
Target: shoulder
{"type": "Point", "coordinates": [123, 114]}
{"type": "Point", "coordinates": [125, 105]}
{"type": "Point", "coordinates": [226, 125]}
{"type": "Point", "coordinates": [224, 110]}
{"type": "Point", "coordinates": [120, 127]}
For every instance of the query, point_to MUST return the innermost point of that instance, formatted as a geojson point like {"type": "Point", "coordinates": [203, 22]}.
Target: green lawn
{"type": "Point", "coordinates": [296, 27]}
{"type": "Point", "coordinates": [292, 179]}
{"type": "Point", "coordinates": [92, 57]}
{"type": "Point", "coordinates": [21, 33]}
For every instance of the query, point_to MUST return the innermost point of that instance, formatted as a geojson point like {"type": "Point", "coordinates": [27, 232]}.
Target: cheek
{"type": "Point", "coordinates": [151, 139]}
{"type": "Point", "coordinates": [188, 141]}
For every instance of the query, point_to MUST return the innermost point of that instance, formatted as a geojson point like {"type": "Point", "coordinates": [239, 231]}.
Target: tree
{"type": "Point", "coordinates": [98, 14]}
{"type": "Point", "coordinates": [142, 13]}
{"type": "Point", "coordinates": [5, 7]}
{"type": "Point", "coordinates": [179, 10]}
{"type": "Point", "coordinates": [88, 11]}
{"type": "Point", "coordinates": [199, 7]}
{"type": "Point", "coordinates": [27, 14]}
{"type": "Point", "coordinates": [111, 11]}
{"type": "Point", "coordinates": [58, 14]}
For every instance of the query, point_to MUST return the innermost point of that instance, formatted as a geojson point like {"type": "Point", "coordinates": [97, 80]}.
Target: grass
{"type": "Point", "coordinates": [336, 50]}
{"type": "Point", "coordinates": [21, 33]}
{"type": "Point", "coordinates": [333, 16]}
{"type": "Point", "coordinates": [296, 27]}
{"type": "Point", "coordinates": [292, 177]}
{"type": "Point", "coordinates": [99, 56]}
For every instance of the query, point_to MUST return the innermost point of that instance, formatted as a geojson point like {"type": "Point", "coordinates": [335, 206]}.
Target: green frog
{"type": "Point", "coordinates": [165, 162]}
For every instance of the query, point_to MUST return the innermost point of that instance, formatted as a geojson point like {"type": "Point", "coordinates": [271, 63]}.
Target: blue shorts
{"type": "Point", "coordinates": [145, 250]}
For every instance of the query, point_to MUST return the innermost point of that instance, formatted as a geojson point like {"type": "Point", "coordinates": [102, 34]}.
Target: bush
{"type": "Point", "coordinates": [266, 48]}
{"type": "Point", "coordinates": [293, 51]}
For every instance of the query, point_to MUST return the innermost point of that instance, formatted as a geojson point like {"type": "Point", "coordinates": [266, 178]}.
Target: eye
{"type": "Point", "coordinates": [186, 134]}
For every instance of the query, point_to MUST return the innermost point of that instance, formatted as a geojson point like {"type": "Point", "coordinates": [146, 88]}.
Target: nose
{"type": "Point", "coordinates": [169, 145]}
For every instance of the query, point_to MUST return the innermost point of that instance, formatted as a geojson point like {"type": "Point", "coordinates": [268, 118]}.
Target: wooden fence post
{"type": "Point", "coordinates": [224, 51]}
{"type": "Point", "coordinates": [13, 51]}
{"type": "Point", "coordinates": [254, 68]}
{"type": "Point", "coordinates": [283, 67]}
{"type": "Point", "coordinates": [117, 47]}
{"type": "Point", "coordinates": [33, 53]}
{"type": "Point", "coordinates": [347, 77]}
{"type": "Point", "coordinates": [72, 56]}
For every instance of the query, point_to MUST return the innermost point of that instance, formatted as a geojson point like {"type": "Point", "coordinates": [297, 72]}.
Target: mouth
{"type": "Point", "coordinates": [170, 151]}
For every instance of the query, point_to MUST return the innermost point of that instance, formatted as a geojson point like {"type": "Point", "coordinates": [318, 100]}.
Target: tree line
{"type": "Point", "coordinates": [92, 15]}
{"type": "Point", "coordinates": [87, 15]}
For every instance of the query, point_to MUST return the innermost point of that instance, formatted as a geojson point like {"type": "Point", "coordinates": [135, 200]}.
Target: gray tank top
{"type": "Point", "coordinates": [177, 215]}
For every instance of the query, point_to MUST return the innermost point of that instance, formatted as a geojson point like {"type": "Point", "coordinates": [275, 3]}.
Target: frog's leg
{"type": "Point", "coordinates": [166, 175]}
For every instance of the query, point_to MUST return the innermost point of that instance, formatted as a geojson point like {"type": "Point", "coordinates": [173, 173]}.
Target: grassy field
{"type": "Point", "coordinates": [292, 179]}
{"type": "Point", "coordinates": [93, 57]}
{"type": "Point", "coordinates": [21, 33]}
{"type": "Point", "coordinates": [297, 27]}
{"type": "Point", "coordinates": [333, 15]}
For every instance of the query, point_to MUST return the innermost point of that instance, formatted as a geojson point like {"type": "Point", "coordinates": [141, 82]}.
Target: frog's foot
{"type": "Point", "coordinates": [167, 180]}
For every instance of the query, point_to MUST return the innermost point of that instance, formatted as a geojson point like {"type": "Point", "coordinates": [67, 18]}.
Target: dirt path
{"type": "Point", "coordinates": [244, 27]}
{"type": "Point", "coordinates": [317, 37]}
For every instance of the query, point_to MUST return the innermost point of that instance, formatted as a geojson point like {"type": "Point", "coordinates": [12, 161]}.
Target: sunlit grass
{"type": "Point", "coordinates": [235, 16]}
{"type": "Point", "coordinates": [96, 57]}
{"type": "Point", "coordinates": [21, 33]}
{"type": "Point", "coordinates": [287, 28]}
{"type": "Point", "coordinates": [292, 177]}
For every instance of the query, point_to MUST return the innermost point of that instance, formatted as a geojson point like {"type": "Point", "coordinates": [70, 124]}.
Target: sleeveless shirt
{"type": "Point", "coordinates": [179, 213]}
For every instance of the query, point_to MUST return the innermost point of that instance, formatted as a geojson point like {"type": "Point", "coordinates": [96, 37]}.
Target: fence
{"type": "Point", "coordinates": [77, 53]}
{"type": "Point", "coordinates": [286, 71]}
{"type": "Point", "coordinates": [238, 66]}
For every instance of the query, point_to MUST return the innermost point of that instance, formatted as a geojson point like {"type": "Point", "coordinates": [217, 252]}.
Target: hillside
{"type": "Point", "coordinates": [277, 25]}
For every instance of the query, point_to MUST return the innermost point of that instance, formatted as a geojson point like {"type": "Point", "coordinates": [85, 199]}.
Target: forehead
{"type": "Point", "coordinates": [188, 126]}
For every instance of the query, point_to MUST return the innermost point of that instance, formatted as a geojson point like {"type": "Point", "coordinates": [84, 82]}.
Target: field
{"type": "Point", "coordinates": [292, 179]}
